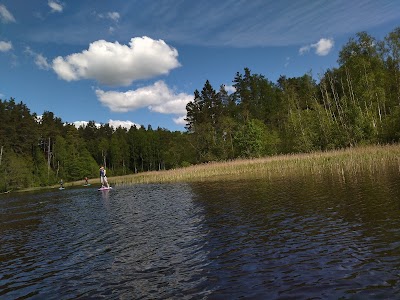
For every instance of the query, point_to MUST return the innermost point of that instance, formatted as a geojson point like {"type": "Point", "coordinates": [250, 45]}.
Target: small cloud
{"type": "Point", "coordinates": [287, 61]}
{"type": "Point", "coordinates": [41, 62]}
{"type": "Point", "coordinates": [5, 15]}
{"type": "Point", "coordinates": [39, 59]}
{"type": "Point", "coordinates": [113, 16]}
{"type": "Point", "coordinates": [156, 98]}
{"type": "Point", "coordinates": [180, 120]}
{"type": "Point", "coordinates": [304, 49]}
{"type": "Point", "coordinates": [39, 119]}
{"type": "Point", "coordinates": [322, 47]}
{"type": "Point", "coordinates": [78, 124]}
{"type": "Point", "coordinates": [115, 64]}
{"type": "Point", "coordinates": [55, 6]}
{"type": "Point", "coordinates": [5, 46]}
{"type": "Point", "coordinates": [124, 124]}
{"type": "Point", "coordinates": [230, 89]}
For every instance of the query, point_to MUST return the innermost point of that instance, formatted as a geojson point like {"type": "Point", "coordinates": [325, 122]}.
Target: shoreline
{"type": "Point", "coordinates": [343, 163]}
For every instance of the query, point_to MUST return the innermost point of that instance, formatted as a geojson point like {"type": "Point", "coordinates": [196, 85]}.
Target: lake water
{"type": "Point", "coordinates": [304, 238]}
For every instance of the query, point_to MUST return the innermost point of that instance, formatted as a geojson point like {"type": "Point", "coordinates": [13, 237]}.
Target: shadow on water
{"type": "Point", "coordinates": [296, 238]}
{"type": "Point", "coordinates": [303, 238]}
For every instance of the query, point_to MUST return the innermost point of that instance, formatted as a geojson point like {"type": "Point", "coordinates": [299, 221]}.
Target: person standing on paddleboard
{"type": "Point", "coordinates": [103, 177]}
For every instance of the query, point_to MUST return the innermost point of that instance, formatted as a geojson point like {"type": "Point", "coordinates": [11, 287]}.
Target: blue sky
{"type": "Point", "coordinates": [139, 62]}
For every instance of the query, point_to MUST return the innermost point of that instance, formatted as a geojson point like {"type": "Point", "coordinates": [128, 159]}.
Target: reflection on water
{"type": "Point", "coordinates": [296, 238]}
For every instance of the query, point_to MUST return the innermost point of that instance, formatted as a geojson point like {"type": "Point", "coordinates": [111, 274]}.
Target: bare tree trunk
{"type": "Point", "coordinates": [350, 87]}
{"type": "Point", "coordinates": [327, 104]}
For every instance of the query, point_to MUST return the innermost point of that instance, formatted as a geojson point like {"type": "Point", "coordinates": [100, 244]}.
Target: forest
{"type": "Point", "coordinates": [357, 103]}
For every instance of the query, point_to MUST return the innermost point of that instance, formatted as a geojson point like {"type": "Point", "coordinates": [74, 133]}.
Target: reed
{"type": "Point", "coordinates": [342, 163]}
{"type": "Point", "coordinates": [345, 164]}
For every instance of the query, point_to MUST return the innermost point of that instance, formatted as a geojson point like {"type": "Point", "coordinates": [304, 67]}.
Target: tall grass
{"type": "Point", "coordinates": [342, 163]}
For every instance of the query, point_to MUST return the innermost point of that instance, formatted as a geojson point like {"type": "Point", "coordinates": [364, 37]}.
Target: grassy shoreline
{"type": "Point", "coordinates": [342, 163]}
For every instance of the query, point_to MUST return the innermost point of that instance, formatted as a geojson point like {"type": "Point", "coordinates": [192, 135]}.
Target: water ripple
{"type": "Point", "coordinates": [299, 239]}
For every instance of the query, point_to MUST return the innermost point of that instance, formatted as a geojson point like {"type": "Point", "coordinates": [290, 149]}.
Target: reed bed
{"type": "Point", "coordinates": [345, 164]}
{"type": "Point", "coordinates": [342, 163]}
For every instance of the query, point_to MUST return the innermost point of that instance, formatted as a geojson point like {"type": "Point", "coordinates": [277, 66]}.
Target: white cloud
{"type": "Point", "coordinates": [180, 120]}
{"type": "Point", "coordinates": [322, 47]}
{"type": "Point", "coordinates": [157, 98]}
{"type": "Point", "coordinates": [41, 62]}
{"type": "Point", "coordinates": [113, 16]}
{"type": "Point", "coordinates": [5, 15]}
{"type": "Point", "coordinates": [230, 89]}
{"type": "Point", "coordinates": [113, 123]}
{"type": "Point", "coordinates": [118, 65]}
{"type": "Point", "coordinates": [304, 49]}
{"type": "Point", "coordinates": [5, 46]}
{"type": "Point", "coordinates": [39, 59]}
{"type": "Point", "coordinates": [39, 119]}
{"type": "Point", "coordinates": [78, 124]}
{"type": "Point", "coordinates": [287, 62]}
{"type": "Point", "coordinates": [124, 124]}
{"type": "Point", "coordinates": [55, 6]}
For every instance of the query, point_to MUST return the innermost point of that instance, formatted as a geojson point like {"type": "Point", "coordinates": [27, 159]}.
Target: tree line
{"type": "Point", "coordinates": [41, 151]}
{"type": "Point", "coordinates": [356, 103]}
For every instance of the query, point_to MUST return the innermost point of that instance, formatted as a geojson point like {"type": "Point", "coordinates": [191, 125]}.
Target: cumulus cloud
{"type": "Point", "coordinates": [230, 89]}
{"type": "Point", "coordinates": [157, 98]}
{"type": "Point", "coordinates": [5, 46]}
{"type": "Point", "coordinates": [39, 119]}
{"type": "Point", "coordinates": [5, 15]}
{"type": "Point", "coordinates": [118, 65]}
{"type": "Point", "coordinates": [55, 6]}
{"type": "Point", "coordinates": [124, 124]}
{"type": "Point", "coordinates": [78, 124]}
{"type": "Point", "coordinates": [322, 47]}
{"type": "Point", "coordinates": [113, 123]}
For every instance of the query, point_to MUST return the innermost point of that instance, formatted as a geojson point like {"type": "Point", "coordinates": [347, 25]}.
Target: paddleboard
{"type": "Point", "coordinates": [61, 188]}
{"type": "Point", "coordinates": [105, 188]}
{"type": "Point", "coordinates": [86, 184]}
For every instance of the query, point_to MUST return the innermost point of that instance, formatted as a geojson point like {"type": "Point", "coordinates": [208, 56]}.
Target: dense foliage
{"type": "Point", "coordinates": [356, 103]}
{"type": "Point", "coordinates": [42, 151]}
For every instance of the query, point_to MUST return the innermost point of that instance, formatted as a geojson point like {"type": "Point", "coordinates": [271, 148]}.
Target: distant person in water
{"type": "Point", "coordinates": [86, 181]}
{"type": "Point", "coordinates": [61, 184]}
{"type": "Point", "coordinates": [103, 177]}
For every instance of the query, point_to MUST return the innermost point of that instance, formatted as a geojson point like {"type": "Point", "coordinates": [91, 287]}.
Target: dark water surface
{"type": "Point", "coordinates": [304, 238]}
